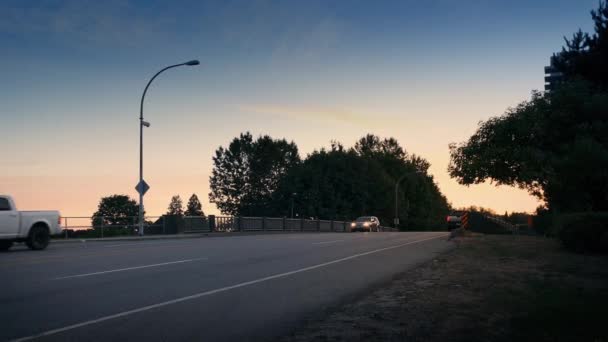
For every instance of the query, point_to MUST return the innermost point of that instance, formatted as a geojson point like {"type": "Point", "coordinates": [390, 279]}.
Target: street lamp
{"type": "Point", "coordinates": [408, 174]}
{"type": "Point", "coordinates": [292, 198]}
{"type": "Point", "coordinates": [142, 186]}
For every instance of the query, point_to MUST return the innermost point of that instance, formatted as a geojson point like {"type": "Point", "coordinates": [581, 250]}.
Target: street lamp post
{"type": "Point", "coordinates": [396, 221]}
{"type": "Point", "coordinates": [292, 204]}
{"type": "Point", "coordinates": [140, 187]}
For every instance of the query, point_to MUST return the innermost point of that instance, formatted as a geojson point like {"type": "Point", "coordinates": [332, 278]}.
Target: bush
{"type": "Point", "coordinates": [585, 232]}
{"type": "Point", "coordinates": [544, 222]}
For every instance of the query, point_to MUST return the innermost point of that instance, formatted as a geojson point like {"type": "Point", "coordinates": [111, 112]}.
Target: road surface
{"type": "Point", "coordinates": [237, 288]}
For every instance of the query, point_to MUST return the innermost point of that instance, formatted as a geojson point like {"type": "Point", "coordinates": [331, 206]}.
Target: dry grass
{"type": "Point", "coordinates": [490, 288]}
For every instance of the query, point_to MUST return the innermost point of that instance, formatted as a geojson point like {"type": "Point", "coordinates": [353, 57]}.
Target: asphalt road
{"type": "Point", "coordinates": [239, 288]}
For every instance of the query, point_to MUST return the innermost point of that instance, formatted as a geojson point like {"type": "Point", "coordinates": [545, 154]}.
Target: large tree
{"type": "Point", "coordinates": [194, 207]}
{"type": "Point", "coordinates": [556, 144]}
{"type": "Point", "coordinates": [346, 183]}
{"type": "Point", "coordinates": [116, 210]}
{"type": "Point", "coordinates": [248, 171]}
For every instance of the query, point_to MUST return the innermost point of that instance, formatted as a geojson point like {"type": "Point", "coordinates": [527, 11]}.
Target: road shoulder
{"type": "Point", "coordinates": [501, 288]}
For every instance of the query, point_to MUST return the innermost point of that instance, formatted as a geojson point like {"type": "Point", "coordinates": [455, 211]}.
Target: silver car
{"type": "Point", "coordinates": [365, 224]}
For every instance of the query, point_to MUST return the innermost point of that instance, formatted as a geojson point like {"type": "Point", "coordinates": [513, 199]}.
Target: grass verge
{"type": "Point", "coordinates": [490, 288]}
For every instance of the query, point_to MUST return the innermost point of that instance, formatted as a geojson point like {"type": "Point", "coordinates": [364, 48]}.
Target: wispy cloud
{"type": "Point", "coordinates": [116, 22]}
{"type": "Point", "coordinates": [287, 30]}
{"type": "Point", "coordinates": [321, 114]}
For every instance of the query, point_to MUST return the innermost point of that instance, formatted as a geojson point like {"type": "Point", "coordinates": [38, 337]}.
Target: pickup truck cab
{"type": "Point", "coordinates": [32, 227]}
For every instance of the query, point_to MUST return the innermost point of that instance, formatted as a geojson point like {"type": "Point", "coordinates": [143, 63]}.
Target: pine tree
{"type": "Point", "coordinates": [194, 207]}
{"type": "Point", "coordinates": [175, 207]}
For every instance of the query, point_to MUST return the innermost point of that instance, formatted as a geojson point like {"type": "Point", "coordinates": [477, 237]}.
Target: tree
{"type": "Point", "coordinates": [346, 183]}
{"type": "Point", "coordinates": [246, 174]}
{"type": "Point", "coordinates": [555, 146]}
{"type": "Point", "coordinates": [585, 55]}
{"type": "Point", "coordinates": [116, 210]}
{"type": "Point", "coordinates": [194, 207]}
{"type": "Point", "coordinates": [372, 145]}
{"type": "Point", "coordinates": [175, 207]}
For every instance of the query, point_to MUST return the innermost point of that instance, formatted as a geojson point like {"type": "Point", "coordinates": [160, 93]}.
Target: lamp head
{"type": "Point", "coordinates": [193, 62]}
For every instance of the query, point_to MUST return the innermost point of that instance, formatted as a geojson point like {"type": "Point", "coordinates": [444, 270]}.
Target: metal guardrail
{"type": "Point", "coordinates": [504, 224]}
{"type": "Point", "coordinates": [100, 227]}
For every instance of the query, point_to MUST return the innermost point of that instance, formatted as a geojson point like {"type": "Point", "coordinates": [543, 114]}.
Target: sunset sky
{"type": "Point", "coordinates": [424, 72]}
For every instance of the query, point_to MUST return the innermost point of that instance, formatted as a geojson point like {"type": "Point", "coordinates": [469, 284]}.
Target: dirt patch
{"type": "Point", "coordinates": [489, 288]}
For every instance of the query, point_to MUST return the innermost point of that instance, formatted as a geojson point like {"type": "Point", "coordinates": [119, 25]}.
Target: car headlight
{"type": "Point", "coordinates": [352, 224]}
{"type": "Point", "coordinates": [366, 224]}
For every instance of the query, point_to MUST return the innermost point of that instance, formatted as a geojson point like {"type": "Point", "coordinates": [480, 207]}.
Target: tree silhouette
{"type": "Point", "coordinates": [554, 145]}
{"type": "Point", "coordinates": [246, 174]}
{"type": "Point", "coordinates": [116, 210]}
{"type": "Point", "coordinates": [175, 207]}
{"type": "Point", "coordinates": [194, 207]}
{"type": "Point", "coordinates": [585, 55]}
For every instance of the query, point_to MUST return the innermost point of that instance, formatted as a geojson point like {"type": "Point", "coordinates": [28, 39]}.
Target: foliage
{"type": "Point", "coordinates": [541, 145]}
{"type": "Point", "coordinates": [116, 210]}
{"type": "Point", "coordinates": [246, 174]}
{"type": "Point", "coordinates": [544, 222]}
{"type": "Point", "coordinates": [344, 184]}
{"type": "Point", "coordinates": [260, 178]}
{"type": "Point", "coordinates": [481, 210]}
{"type": "Point", "coordinates": [585, 55]}
{"type": "Point", "coordinates": [585, 232]}
{"type": "Point", "coordinates": [194, 207]}
{"type": "Point", "coordinates": [556, 144]}
{"type": "Point", "coordinates": [175, 207]}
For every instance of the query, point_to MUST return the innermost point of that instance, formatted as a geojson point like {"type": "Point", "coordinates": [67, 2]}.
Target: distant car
{"type": "Point", "coordinates": [365, 224]}
{"type": "Point", "coordinates": [454, 219]}
{"type": "Point", "coordinates": [32, 227]}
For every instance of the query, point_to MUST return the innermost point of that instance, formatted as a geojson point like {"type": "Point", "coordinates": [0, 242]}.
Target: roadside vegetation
{"type": "Point", "coordinates": [554, 145]}
{"type": "Point", "coordinates": [267, 177]}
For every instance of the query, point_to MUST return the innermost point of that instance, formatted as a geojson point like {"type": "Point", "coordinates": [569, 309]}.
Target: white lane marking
{"type": "Point", "coordinates": [129, 268]}
{"type": "Point", "coordinates": [141, 243]}
{"type": "Point", "coordinates": [211, 292]}
{"type": "Point", "coordinates": [326, 242]}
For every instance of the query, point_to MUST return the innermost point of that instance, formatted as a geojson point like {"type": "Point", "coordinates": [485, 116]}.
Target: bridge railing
{"type": "Point", "coordinates": [100, 227]}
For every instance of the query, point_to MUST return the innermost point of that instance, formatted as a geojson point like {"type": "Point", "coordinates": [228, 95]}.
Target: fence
{"type": "Point", "coordinates": [504, 224]}
{"type": "Point", "coordinates": [100, 227]}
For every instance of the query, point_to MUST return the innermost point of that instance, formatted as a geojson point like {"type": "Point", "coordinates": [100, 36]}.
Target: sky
{"type": "Point", "coordinates": [424, 72]}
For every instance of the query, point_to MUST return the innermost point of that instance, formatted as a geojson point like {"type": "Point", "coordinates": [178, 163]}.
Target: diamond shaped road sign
{"type": "Point", "coordinates": [142, 187]}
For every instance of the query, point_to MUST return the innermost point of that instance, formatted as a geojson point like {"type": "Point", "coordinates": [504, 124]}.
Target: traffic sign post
{"type": "Point", "coordinates": [142, 187]}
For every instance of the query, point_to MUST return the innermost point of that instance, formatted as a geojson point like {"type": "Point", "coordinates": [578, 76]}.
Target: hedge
{"type": "Point", "coordinates": [584, 232]}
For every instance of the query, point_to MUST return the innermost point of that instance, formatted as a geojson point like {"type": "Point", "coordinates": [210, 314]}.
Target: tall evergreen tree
{"type": "Point", "coordinates": [175, 206]}
{"type": "Point", "coordinates": [585, 56]}
{"type": "Point", "coordinates": [194, 207]}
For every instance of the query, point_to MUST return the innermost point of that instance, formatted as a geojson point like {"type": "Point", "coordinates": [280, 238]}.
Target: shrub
{"type": "Point", "coordinates": [584, 232]}
{"type": "Point", "coordinates": [543, 222]}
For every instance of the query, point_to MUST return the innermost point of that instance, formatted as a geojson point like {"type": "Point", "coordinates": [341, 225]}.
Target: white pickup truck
{"type": "Point", "coordinates": [32, 227]}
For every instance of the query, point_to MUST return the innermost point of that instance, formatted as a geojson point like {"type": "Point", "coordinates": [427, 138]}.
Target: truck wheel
{"type": "Point", "coordinates": [39, 237]}
{"type": "Point", "coordinates": [5, 245]}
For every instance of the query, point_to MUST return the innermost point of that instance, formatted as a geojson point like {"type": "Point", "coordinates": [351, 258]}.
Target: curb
{"type": "Point", "coordinates": [181, 236]}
